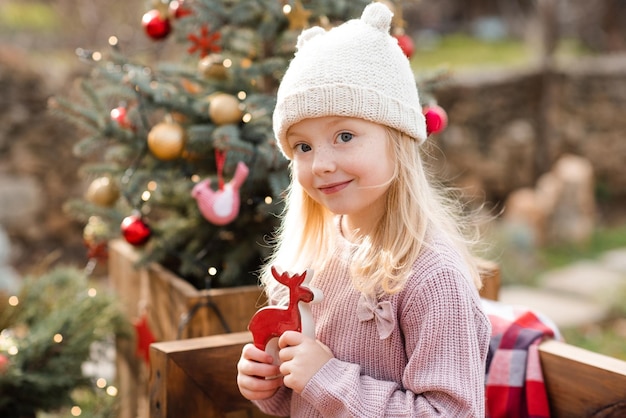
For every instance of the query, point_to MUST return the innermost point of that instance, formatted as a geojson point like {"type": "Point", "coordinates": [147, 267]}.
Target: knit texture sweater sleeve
{"type": "Point", "coordinates": [432, 363]}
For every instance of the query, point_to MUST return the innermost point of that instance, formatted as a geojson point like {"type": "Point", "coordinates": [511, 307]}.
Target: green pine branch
{"type": "Point", "coordinates": [53, 327]}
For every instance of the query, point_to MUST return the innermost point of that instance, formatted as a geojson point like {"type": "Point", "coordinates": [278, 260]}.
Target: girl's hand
{"type": "Point", "coordinates": [301, 358]}
{"type": "Point", "coordinates": [257, 377]}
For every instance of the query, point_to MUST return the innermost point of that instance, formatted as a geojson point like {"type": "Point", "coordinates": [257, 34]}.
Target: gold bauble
{"type": "Point", "coordinates": [212, 66]}
{"type": "Point", "coordinates": [95, 231]}
{"type": "Point", "coordinates": [166, 140]}
{"type": "Point", "coordinates": [224, 109]}
{"type": "Point", "coordinates": [102, 191]}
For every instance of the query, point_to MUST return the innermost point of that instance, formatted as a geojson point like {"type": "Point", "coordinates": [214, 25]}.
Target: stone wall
{"type": "Point", "coordinates": [590, 119]}
{"type": "Point", "coordinates": [499, 138]}
{"type": "Point", "coordinates": [489, 145]}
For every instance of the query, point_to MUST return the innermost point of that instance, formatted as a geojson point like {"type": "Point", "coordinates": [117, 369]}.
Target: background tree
{"type": "Point", "coordinates": [178, 148]}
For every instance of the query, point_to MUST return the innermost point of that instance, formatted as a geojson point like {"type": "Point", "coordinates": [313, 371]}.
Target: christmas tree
{"type": "Point", "coordinates": [180, 152]}
{"type": "Point", "coordinates": [49, 331]}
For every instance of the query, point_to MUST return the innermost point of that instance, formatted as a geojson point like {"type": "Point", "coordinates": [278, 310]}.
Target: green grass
{"type": "Point", "coordinates": [31, 16]}
{"type": "Point", "coordinates": [461, 52]}
{"type": "Point", "coordinates": [606, 338]}
{"type": "Point", "coordinates": [523, 262]}
{"type": "Point", "coordinates": [602, 240]}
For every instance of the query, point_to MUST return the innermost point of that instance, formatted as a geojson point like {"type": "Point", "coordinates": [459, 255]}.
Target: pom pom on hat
{"type": "Point", "coordinates": [356, 70]}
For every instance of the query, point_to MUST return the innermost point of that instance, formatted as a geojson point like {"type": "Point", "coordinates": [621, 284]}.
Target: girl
{"type": "Point", "coordinates": [400, 331]}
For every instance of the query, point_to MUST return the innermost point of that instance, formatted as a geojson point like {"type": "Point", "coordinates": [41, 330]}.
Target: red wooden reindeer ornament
{"type": "Point", "coordinates": [270, 322]}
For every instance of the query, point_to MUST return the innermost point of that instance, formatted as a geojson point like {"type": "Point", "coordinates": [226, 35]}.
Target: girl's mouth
{"type": "Point", "coordinates": [334, 187]}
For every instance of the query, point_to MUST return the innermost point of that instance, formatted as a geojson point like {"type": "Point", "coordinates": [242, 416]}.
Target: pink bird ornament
{"type": "Point", "coordinates": [221, 206]}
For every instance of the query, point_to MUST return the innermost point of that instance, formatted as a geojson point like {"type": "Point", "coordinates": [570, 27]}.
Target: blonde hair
{"type": "Point", "coordinates": [415, 205]}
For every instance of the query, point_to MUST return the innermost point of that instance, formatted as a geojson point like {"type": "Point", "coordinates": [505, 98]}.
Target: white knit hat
{"type": "Point", "coordinates": [357, 70]}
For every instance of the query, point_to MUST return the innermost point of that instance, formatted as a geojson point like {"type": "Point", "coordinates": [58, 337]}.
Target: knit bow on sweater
{"type": "Point", "coordinates": [381, 312]}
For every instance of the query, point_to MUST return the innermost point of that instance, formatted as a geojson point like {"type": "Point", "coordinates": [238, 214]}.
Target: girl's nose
{"type": "Point", "coordinates": [323, 160]}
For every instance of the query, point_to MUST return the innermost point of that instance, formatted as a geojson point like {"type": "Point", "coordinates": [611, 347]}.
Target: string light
{"type": "Point", "coordinates": [246, 118]}
{"type": "Point", "coordinates": [268, 199]}
{"type": "Point", "coordinates": [111, 391]}
{"type": "Point", "coordinates": [145, 196]}
{"type": "Point", "coordinates": [58, 338]}
{"type": "Point", "coordinates": [227, 63]}
{"type": "Point", "coordinates": [212, 271]}
{"type": "Point", "coordinates": [287, 9]}
{"type": "Point", "coordinates": [92, 292]}
{"type": "Point", "coordinates": [13, 350]}
{"type": "Point", "coordinates": [76, 411]}
{"type": "Point", "coordinates": [101, 383]}
{"type": "Point", "coordinates": [14, 300]}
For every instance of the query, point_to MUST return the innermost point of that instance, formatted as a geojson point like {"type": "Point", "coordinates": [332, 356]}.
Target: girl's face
{"type": "Point", "coordinates": [344, 164]}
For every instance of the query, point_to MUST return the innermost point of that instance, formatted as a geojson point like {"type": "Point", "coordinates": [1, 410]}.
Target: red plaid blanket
{"type": "Point", "coordinates": [514, 385]}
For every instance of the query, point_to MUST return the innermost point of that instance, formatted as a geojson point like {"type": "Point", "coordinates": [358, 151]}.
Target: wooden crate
{"type": "Point", "coordinates": [174, 309]}
{"type": "Point", "coordinates": [579, 383]}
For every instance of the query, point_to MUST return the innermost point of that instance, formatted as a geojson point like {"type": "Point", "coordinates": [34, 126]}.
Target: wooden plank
{"type": "Point", "coordinates": [198, 377]}
{"type": "Point", "coordinates": [490, 274]}
{"type": "Point", "coordinates": [174, 308]}
{"type": "Point", "coordinates": [123, 276]}
{"type": "Point", "coordinates": [125, 280]}
{"type": "Point", "coordinates": [173, 393]}
{"type": "Point", "coordinates": [179, 310]}
{"type": "Point", "coordinates": [580, 382]}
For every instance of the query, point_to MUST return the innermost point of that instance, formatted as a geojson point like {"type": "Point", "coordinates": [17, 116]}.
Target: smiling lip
{"type": "Point", "coordinates": [333, 188]}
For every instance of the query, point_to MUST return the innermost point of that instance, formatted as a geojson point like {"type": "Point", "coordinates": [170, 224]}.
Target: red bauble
{"type": "Point", "coordinates": [156, 25]}
{"type": "Point", "coordinates": [4, 363]}
{"type": "Point", "coordinates": [120, 115]}
{"type": "Point", "coordinates": [135, 230]}
{"type": "Point", "coordinates": [97, 250]}
{"type": "Point", "coordinates": [406, 44]}
{"type": "Point", "coordinates": [436, 119]}
{"type": "Point", "coordinates": [178, 9]}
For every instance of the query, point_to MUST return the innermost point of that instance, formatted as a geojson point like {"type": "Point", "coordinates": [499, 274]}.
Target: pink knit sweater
{"type": "Point", "coordinates": [418, 353]}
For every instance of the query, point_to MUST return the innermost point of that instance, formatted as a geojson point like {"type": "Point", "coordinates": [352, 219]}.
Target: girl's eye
{"type": "Point", "coordinates": [302, 147]}
{"type": "Point", "coordinates": [345, 137]}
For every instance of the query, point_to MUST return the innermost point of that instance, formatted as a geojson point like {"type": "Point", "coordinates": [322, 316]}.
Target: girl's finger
{"type": "Point", "coordinates": [250, 352]}
{"type": "Point", "coordinates": [290, 338]}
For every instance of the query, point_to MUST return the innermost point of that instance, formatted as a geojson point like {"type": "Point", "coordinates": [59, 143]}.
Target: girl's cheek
{"type": "Point", "coordinates": [300, 170]}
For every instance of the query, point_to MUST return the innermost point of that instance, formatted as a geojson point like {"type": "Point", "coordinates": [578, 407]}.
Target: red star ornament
{"type": "Point", "coordinates": [206, 43]}
{"type": "Point", "coordinates": [144, 338]}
